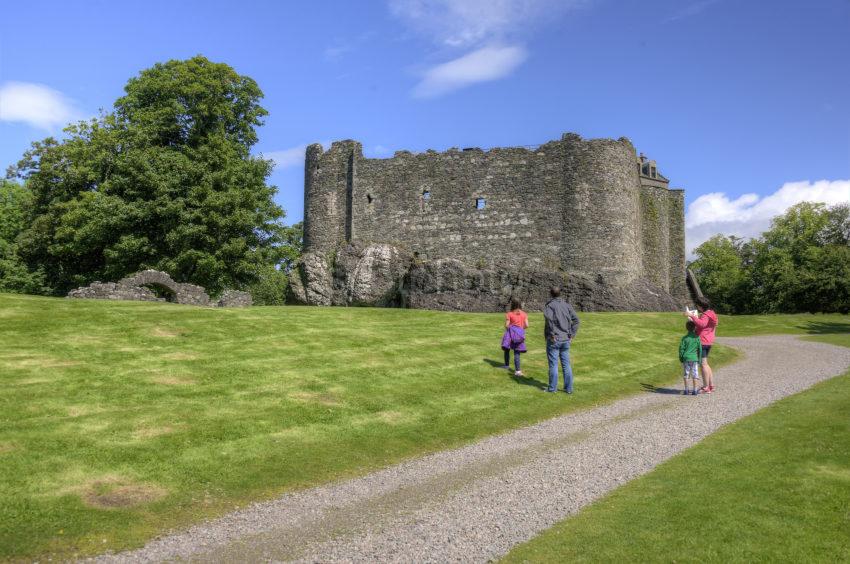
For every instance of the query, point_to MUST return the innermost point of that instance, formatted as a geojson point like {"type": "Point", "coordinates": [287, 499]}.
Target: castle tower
{"type": "Point", "coordinates": [328, 185]}
{"type": "Point", "coordinates": [600, 233]}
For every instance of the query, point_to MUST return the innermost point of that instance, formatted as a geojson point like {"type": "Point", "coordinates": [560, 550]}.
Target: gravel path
{"type": "Point", "coordinates": [475, 503]}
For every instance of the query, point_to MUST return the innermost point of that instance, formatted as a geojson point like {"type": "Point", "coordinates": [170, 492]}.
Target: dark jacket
{"type": "Point", "coordinates": [561, 320]}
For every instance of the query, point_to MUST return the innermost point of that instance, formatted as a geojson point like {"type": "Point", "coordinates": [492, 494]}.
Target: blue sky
{"type": "Point", "coordinates": [745, 104]}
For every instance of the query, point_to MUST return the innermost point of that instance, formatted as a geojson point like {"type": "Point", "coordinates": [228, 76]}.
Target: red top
{"type": "Point", "coordinates": [517, 318]}
{"type": "Point", "coordinates": [706, 323]}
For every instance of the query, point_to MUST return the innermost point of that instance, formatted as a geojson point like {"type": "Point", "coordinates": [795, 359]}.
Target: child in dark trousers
{"type": "Point", "coordinates": [516, 322]}
{"type": "Point", "coordinates": [690, 355]}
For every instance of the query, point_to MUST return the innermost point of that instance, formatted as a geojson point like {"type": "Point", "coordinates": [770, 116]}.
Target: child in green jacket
{"type": "Point", "coordinates": [690, 355]}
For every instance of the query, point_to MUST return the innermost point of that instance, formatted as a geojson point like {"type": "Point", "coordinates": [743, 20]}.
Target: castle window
{"type": "Point", "coordinates": [652, 173]}
{"type": "Point", "coordinates": [369, 198]}
{"type": "Point", "coordinates": [480, 203]}
{"type": "Point", "coordinates": [426, 195]}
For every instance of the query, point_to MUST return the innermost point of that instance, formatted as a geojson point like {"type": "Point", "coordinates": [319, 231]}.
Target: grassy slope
{"type": "Point", "coordinates": [192, 411]}
{"type": "Point", "coordinates": [773, 487]}
{"type": "Point", "coordinates": [119, 420]}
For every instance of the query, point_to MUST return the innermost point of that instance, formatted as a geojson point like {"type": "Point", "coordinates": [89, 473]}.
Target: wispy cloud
{"type": "Point", "coordinates": [690, 9]}
{"type": "Point", "coordinates": [37, 105]}
{"type": "Point", "coordinates": [481, 65]}
{"type": "Point", "coordinates": [287, 158]}
{"type": "Point", "coordinates": [469, 23]}
{"type": "Point", "coordinates": [486, 36]}
{"type": "Point", "coordinates": [749, 215]}
{"type": "Point", "coordinates": [341, 47]}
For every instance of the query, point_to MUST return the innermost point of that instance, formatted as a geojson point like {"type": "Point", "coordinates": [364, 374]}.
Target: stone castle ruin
{"type": "Point", "coordinates": [466, 230]}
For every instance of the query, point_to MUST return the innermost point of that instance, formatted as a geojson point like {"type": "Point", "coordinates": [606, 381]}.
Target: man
{"type": "Point", "coordinates": [561, 326]}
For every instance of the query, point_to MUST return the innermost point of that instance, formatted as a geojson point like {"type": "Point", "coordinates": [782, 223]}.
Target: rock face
{"type": "Point", "coordinates": [140, 286]}
{"type": "Point", "coordinates": [371, 275]}
{"type": "Point", "coordinates": [382, 275]}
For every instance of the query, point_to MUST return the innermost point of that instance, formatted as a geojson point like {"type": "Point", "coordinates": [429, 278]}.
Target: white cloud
{"type": "Point", "coordinates": [481, 65]}
{"type": "Point", "coordinates": [286, 158]}
{"type": "Point", "coordinates": [468, 23]}
{"type": "Point", "coordinates": [490, 31]}
{"type": "Point", "coordinates": [749, 215]}
{"type": "Point", "coordinates": [37, 105]}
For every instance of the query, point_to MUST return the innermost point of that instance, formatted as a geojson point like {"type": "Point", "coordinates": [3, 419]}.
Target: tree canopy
{"type": "Point", "coordinates": [801, 264]}
{"type": "Point", "coordinates": [166, 180]}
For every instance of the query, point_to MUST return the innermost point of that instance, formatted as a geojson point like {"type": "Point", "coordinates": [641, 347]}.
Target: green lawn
{"type": "Point", "coordinates": [774, 486]}
{"type": "Point", "coordinates": [120, 420]}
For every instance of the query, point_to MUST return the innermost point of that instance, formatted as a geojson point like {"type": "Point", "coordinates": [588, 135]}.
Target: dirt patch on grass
{"type": "Point", "coordinates": [82, 410]}
{"type": "Point", "coordinates": [169, 380]}
{"type": "Point", "coordinates": [116, 493]}
{"type": "Point", "coordinates": [322, 398]}
{"type": "Point", "coordinates": [145, 433]}
{"type": "Point", "coordinates": [165, 332]}
{"type": "Point", "coordinates": [7, 447]}
{"type": "Point", "coordinates": [180, 356]}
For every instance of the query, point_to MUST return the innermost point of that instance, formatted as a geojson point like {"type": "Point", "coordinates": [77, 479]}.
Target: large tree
{"type": "Point", "coordinates": [801, 264]}
{"type": "Point", "coordinates": [15, 208]}
{"type": "Point", "coordinates": [166, 180]}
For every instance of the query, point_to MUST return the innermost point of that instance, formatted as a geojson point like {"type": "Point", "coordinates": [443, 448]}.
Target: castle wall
{"type": "Point", "coordinates": [427, 204]}
{"type": "Point", "coordinates": [676, 212]}
{"type": "Point", "coordinates": [655, 235]}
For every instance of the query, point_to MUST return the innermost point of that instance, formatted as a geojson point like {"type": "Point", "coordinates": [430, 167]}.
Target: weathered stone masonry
{"type": "Point", "coordinates": [467, 229]}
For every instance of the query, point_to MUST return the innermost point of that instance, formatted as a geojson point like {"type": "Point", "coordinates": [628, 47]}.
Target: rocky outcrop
{"type": "Point", "coordinates": [383, 275]}
{"type": "Point", "coordinates": [157, 286]}
{"type": "Point", "coordinates": [371, 275]}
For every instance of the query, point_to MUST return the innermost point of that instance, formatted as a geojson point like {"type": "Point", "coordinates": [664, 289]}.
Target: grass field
{"type": "Point", "coordinates": [773, 487]}
{"type": "Point", "coordinates": [119, 420]}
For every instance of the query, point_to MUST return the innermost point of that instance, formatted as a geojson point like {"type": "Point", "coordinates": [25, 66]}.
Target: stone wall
{"type": "Point", "coordinates": [141, 285]}
{"type": "Point", "coordinates": [571, 206]}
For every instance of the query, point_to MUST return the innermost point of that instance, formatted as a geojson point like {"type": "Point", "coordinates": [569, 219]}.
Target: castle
{"type": "Point", "coordinates": [468, 229]}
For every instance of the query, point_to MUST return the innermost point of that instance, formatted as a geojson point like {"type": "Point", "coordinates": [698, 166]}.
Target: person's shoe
{"type": "Point", "coordinates": [711, 388]}
{"type": "Point", "coordinates": [547, 390]}
{"type": "Point", "coordinates": [708, 390]}
{"type": "Point", "coordinates": [519, 373]}
{"type": "Point", "coordinates": [569, 391]}
{"type": "Point", "coordinates": [704, 389]}
{"type": "Point", "coordinates": [505, 367]}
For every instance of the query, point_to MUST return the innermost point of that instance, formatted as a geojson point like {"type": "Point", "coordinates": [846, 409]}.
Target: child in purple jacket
{"type": "Point", "coordinates": [516, 322]}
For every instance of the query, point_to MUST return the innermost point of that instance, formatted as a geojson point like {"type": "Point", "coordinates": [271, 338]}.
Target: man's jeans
{"type": "Point", "coordinates": [556, 350]}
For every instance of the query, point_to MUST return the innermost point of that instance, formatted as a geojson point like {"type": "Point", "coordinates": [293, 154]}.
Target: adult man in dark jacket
{"type": "Point", "coordinates": [561, 327]}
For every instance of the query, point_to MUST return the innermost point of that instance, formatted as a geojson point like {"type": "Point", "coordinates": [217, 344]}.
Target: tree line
{"type": "Point", "coordinates": [165, 180]}
{"type": "Point", "coordinates": [801, 264]}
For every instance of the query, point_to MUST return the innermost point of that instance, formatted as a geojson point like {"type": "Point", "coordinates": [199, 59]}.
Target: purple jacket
{"type": "Point", "coordinates": [514, 338]}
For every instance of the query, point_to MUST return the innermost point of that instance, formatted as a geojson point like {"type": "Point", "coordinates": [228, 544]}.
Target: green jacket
{"type": "Point", "coordinates": [690, 348]}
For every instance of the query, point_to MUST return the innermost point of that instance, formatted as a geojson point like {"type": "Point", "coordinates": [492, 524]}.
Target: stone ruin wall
{"type": "Point", "coordinates": [571, 205]}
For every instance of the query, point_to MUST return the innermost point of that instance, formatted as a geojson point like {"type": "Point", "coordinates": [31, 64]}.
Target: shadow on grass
{"type": "Point", "coordinates": [522, 380]}
{"type": "Point", "coordinates": [656, 390]}
{"type": "Point", "coordinates": [826, 327]}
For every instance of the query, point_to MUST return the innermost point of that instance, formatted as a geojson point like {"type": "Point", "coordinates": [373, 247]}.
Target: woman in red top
{"type": "Point", "coordinates": [706, 323]}
{"type": "Point", "coordinates": [516, 322]}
